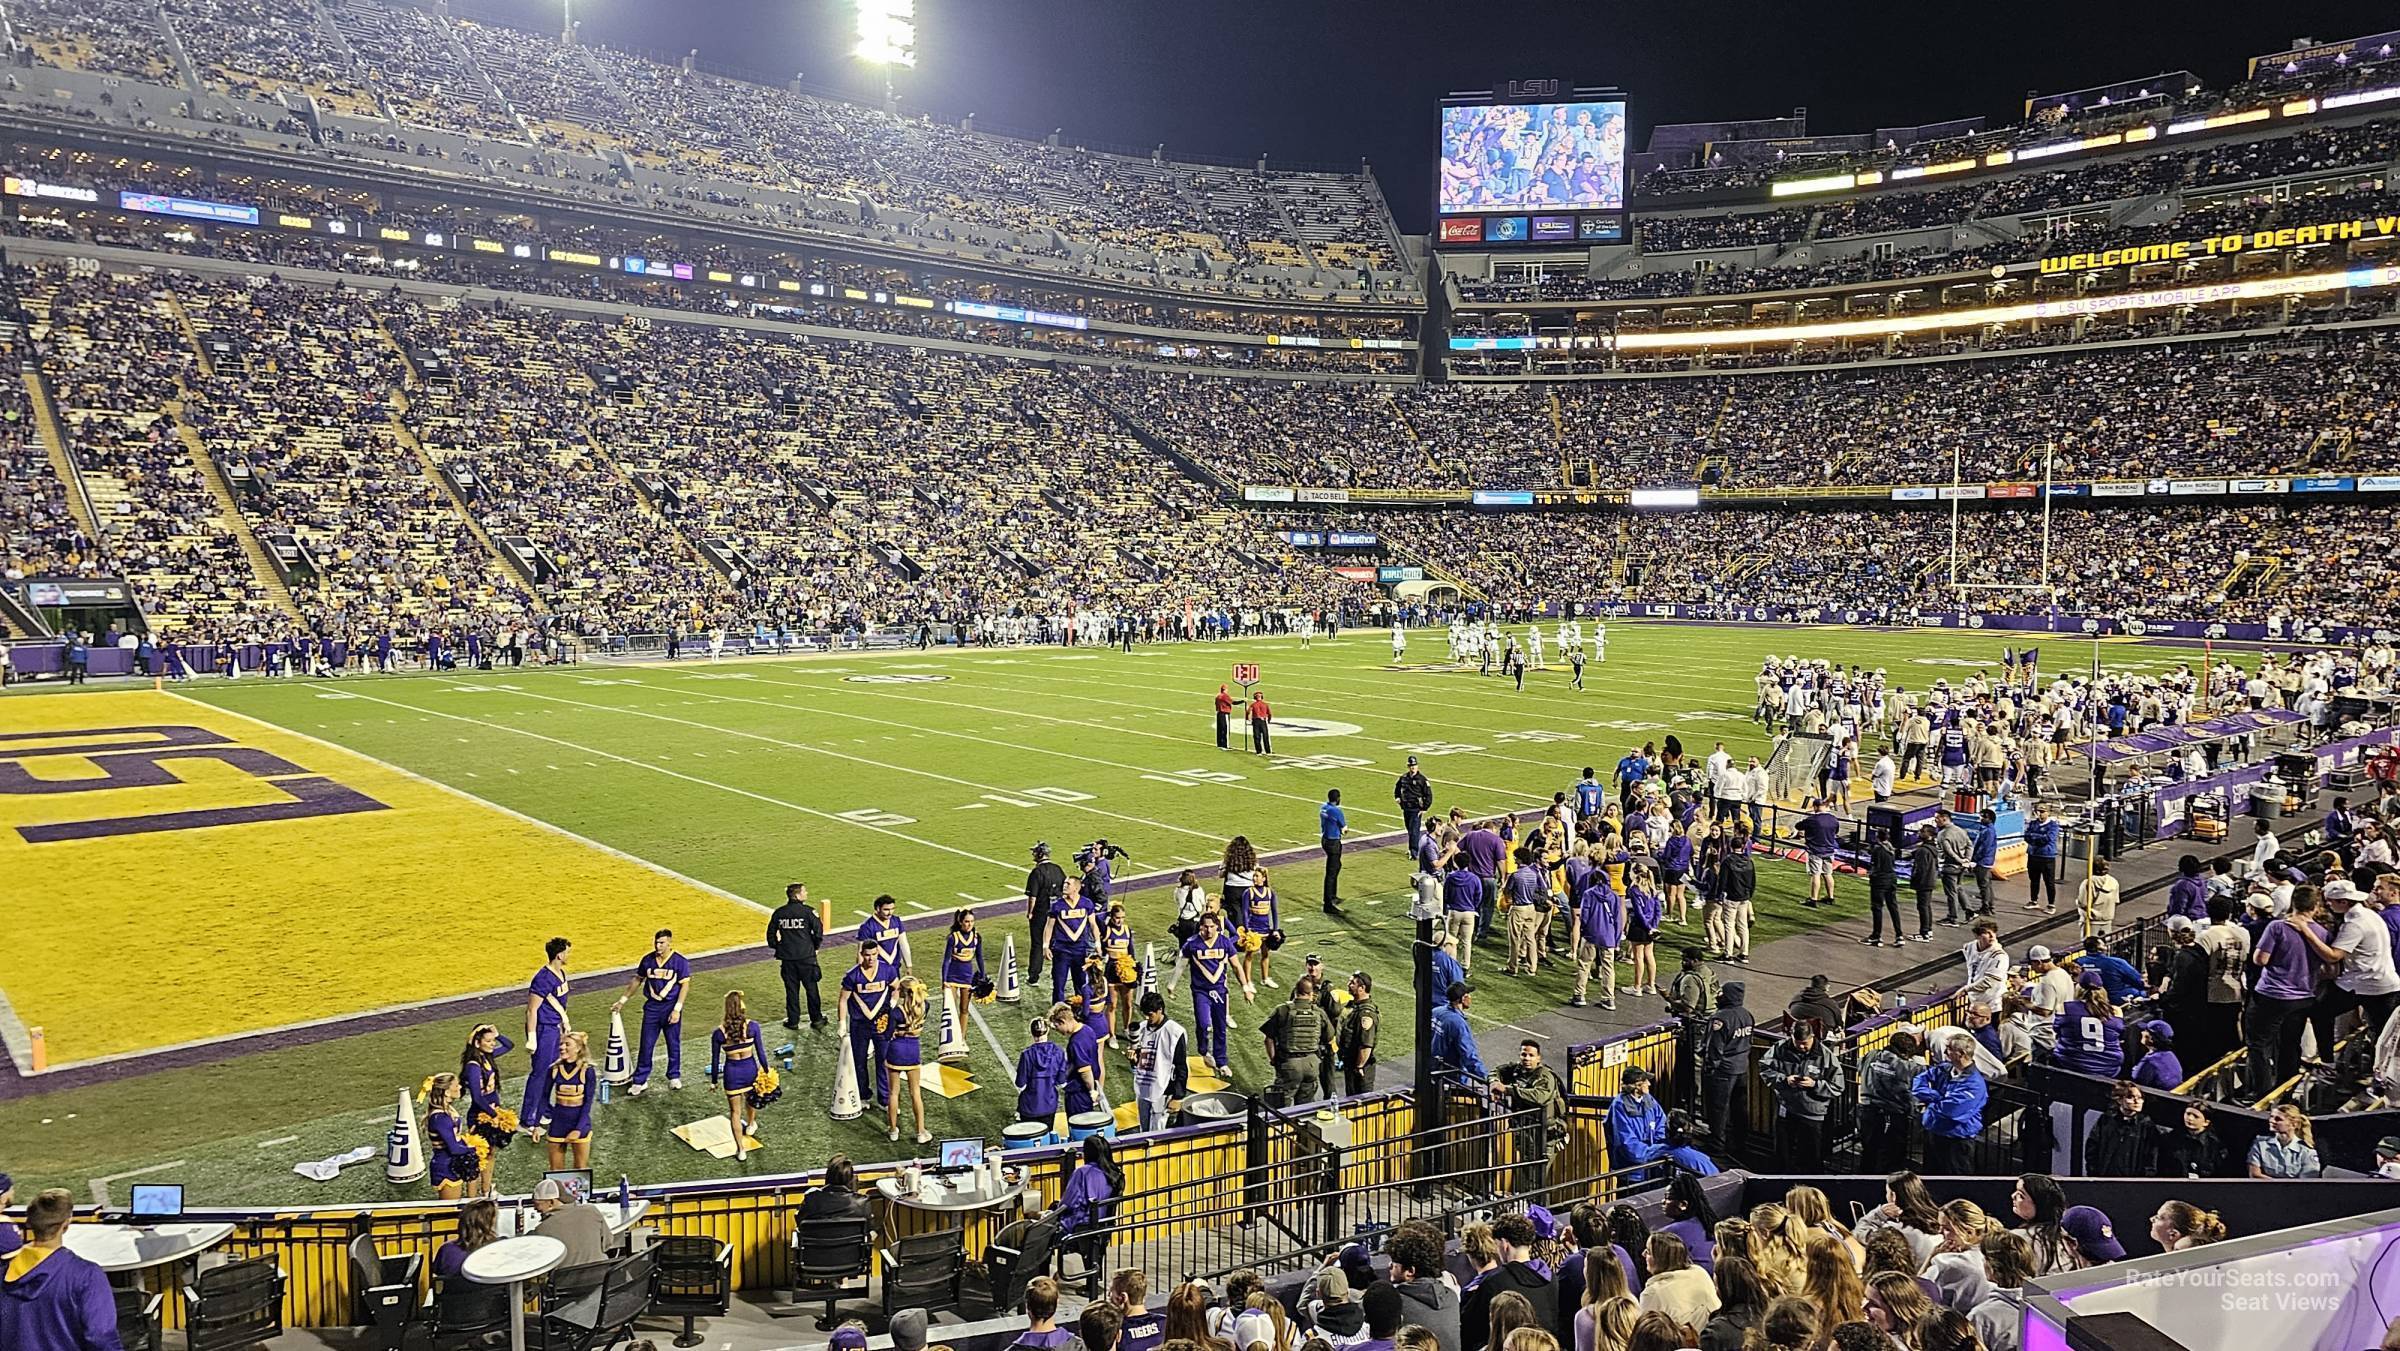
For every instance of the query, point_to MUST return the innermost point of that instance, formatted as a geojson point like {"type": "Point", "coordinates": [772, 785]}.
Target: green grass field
{"type": "Point", "coordinates": [924, 775]}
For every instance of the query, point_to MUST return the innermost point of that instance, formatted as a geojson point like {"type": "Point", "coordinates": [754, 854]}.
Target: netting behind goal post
{"type": "Point", "coordinates": [1793, 767]}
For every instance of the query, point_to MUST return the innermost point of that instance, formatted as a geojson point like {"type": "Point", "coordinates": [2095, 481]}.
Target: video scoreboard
{"type": "Point", "coordinates": [1532, 163]}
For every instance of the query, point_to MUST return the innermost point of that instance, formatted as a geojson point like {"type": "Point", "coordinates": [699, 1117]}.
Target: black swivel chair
{"type": "Point", "coordinates": [239, 1304]}
{"type": "Point", "coordinates": [691, 1276]}
{"type": "Point", "coordinates": [465, 1312]}
{"type": "Point", "coordinates": [924, 1271]}
{"type": "Point", "coordinates": [1019, 1252]}
{"type": "Point", "coordinates": [828, 1255]}
{"type": "Point", "coordinates": [568, 1303]}
{"type": "Point", "coordinates": [383, 1291]}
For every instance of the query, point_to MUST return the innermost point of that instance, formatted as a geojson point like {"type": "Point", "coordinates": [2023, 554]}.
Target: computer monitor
{"type": "Point", "coordinates": [961, 1153]}
{"type": "Point", "coordinates": [153, 1201]}
{"type": "Point", "coordinates": [574, 1184]}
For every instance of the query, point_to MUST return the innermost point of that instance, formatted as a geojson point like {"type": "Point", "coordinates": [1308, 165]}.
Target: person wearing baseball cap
{"type": "Point", "coordinates": [850, 1336]}
{"type": "Point", "coordinates": [2095, 1239]}
{"type": "Point", "coordinates": [2387, 1161]}
{"type": "Point", "coordinates": [1454, 1042]}
{"type": "Point", "coordinates": [1043, 886]}
{"type": "Point", "coordinates": [2158, 1067]}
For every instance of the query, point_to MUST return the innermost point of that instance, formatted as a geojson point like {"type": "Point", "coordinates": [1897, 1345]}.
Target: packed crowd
{"type": "Point", "coordinates": [704, 139]}
{"type": "Point", "coordinates": [2300, 569]}
{"type": "Point", "coordinates": [2269, 407]}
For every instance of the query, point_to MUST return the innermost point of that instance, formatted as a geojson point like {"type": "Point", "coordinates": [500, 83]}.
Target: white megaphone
{"type": "Point", "coordinates": [954, 1037]}
{"type": "Point", "coordinates": [1010, 993]}
{"type": "Point", "coordinates": [846, 1104]}
{"type": "Point", "coordinates": [404, 1148]}
{"type": "Point", "coordinates": [618, 1069]}
{"type": "Point", "coordinates": [1149, 969]}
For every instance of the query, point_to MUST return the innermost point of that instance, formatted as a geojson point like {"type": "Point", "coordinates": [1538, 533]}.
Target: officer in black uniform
{"type": "Point", "coordinates": [793, 934]}
{"type": "Point", "coordinates": [1331, 1009]}
{"type": "Point", "coordinates": [1044, 885]}
{"type": "Point", "coordinates": [1354, 1037]}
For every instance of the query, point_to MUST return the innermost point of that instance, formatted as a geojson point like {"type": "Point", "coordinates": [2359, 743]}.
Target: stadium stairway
{"type": "Point", "coordinates": [62, 460]}
{"type": "Point", "coordinates": [261, 566]}
{"type": "Point", "coordinates": [507, 561]}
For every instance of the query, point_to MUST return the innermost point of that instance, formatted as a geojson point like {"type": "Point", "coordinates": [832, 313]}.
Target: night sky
{"type": "Point", "coordinates": [1325, 82]}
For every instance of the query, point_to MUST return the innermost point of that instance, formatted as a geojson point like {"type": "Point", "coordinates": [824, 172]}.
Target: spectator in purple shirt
{"type": "Point", "coordinates": [478, 1224]}
{"type": "Point", "coordinates": [1042, 1332]}
{"type": "Point", "coordinates": [1484, 851]}
{"type": "Point", "coordinates": [51, 1299]}
{"type": "Point", "coordinates": [2188, 896]}
{"type": "Point", "coordinates": [2286, 990]}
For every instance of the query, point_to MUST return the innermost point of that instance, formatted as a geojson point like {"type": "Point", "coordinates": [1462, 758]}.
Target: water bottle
{"type": "Point", "coordinates": [624, 1198]}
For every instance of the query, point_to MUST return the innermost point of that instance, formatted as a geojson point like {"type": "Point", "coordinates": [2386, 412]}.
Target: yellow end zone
{"type": "Point", "coordinates": [228, 877]}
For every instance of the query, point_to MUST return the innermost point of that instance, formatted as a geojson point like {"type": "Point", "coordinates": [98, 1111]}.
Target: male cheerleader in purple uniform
{"type": "Point", "coordinates": [545, 1024]}
{"type": "Point", "coordinates": [1210, 953]}
{"type": "Point", "coordinates": [660, 976]}
{"type": "Point", "coordinates": [867, 1003]}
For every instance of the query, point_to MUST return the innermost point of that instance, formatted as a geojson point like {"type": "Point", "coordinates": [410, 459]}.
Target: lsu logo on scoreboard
{"type": "Point", "coordinates": [160, 777]}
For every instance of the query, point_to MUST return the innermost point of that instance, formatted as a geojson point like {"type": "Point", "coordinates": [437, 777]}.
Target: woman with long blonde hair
{"type": "Point", "coordinates": [904, 1056]}
{"type": "Point", "coordinates": [569, 1091]}
{"type": "Point", "coordinates": [1814, 1212]}
{"type": "Point", "coordinates": [453, 1163]}
{"type": "Point", "coordinates": [1612, 1323]}
{"type": "Point", "coordinates": [735, 1051]}
{"type": "Point", "coordinates": [1965, 1226]}
{"type": "Point", "coordinates": [1775, 1248]}
{"type": "Point", "coordinates": [1830, 1282]}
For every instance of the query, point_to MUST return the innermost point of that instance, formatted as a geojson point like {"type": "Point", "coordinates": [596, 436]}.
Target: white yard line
{"type": "Point", "coordinates": [856, 759]}
{"type": "Point", "coordinates": [510, 812]}
{"type": "Point", "coordinates": [99, 1185]}
{"type": "Point", "coordinates": [1009, 868]}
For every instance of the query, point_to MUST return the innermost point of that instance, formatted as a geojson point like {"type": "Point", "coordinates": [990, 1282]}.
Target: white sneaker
{"type": "Point", "coordinates": [637, 1090]}
{"type": "Point", "coordinates": [895, 1135]}
{"type": "Point", "coordinates": [676, 1084]}
{"type": "Point", "coordinates": [924, 1137]}
{"type": "Point", "coordinates": [1231, 1025]}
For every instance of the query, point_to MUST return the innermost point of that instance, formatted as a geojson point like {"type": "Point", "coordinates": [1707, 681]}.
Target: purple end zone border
{"type": "Point", "coordinates": [14, 1084]}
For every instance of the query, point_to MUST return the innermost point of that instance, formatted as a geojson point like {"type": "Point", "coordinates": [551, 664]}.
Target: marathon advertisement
{"type": "Point", "coordinates": [54, 593]}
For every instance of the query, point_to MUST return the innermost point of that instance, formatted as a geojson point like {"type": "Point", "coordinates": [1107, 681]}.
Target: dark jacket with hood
{"type": "Point", "coordinates": [1430, 1303]}
{"type": "Point", "coordinates": [1725, 1036]}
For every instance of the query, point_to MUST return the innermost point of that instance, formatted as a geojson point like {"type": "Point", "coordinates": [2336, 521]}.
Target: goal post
{"type": "Point", "coordinates": [2041, 583]}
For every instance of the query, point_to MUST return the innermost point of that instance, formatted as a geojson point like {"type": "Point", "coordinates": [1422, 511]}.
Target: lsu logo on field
{"type": "Point", "coordinates": [147, 757]}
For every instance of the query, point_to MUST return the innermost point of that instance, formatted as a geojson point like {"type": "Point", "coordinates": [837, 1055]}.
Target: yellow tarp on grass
{"type": "Point", "coordinates": [229, 877]}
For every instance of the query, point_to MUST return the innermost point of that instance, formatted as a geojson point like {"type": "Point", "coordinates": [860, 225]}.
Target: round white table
{"type": "Point", "coordinates": [944, 1194]}
{"type": "Point", "coordinates": [512, 1262]}
{"type": "Point", "coordinates": [117, 1248]}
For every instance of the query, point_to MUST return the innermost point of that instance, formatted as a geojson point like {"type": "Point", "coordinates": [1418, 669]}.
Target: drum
{"type": "Point", "coordinates": [1025, 1135]}
{"type": "Point", "coordinates": [1084, 1124]}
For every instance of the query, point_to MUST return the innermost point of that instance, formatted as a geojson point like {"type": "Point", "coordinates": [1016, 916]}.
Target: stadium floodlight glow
{"type": "Point", "coordinates": [887, 32]}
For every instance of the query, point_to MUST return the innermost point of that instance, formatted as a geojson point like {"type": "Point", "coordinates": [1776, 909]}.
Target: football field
{"type": "Point", "coordinates": [254, 911]}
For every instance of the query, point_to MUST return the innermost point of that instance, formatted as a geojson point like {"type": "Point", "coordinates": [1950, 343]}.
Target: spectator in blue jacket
{"type": "Point", "coordinates": [1953, 1094]}
{"type": "Point", "coordinates": [2120, 977]}
{"type": "Point", "coordinates": [1454, 1053]}
{"type": "Point", "coordinates": [2188, 895]}
{"type": "Point", "coordinates": [2042, 836]}
{"type": "Point", "coordinates": [1987, 855]}
{"type": "Point", "coordinates": [1637, 1129]}
{"type": "Point", "coordinates": [1446, 970]}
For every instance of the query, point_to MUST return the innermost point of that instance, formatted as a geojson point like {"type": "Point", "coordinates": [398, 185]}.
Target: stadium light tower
{"type": "Point", "coordinates": [887, 37]}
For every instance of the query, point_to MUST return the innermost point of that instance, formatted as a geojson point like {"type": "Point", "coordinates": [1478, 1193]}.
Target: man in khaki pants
{"type": "Point", "coordinates": [1737, 882]}
{"type": "Point", "coordinates": [1527, 893]}
{"type": "Point", "coordinates": [1599, 927]}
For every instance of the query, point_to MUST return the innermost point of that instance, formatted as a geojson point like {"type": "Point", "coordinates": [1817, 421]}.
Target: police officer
{"type": "Point", "coordinates": [1724, 1060]}
{"type": "Point", "coordinates": [1298, 1038]}
{"type": "Point", "coordinates": [793, 934]}
{"type": "Point", "coordinates": [1042, 886]}
{"type": "Point", "coordinates": [1414, 792]}
{"type": "Point", "coordinates": [1330, 1007]}
{"type": "Point", "coordinates": [1356, 1038]}
{"type": "Point", "coordinates": [1533, 1093]}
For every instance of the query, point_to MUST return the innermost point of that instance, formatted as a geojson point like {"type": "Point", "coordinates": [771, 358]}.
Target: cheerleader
{"type": "Point", "coordinates": [545, 1024]}
{"type": "Point", "coordinates": [904, 1055]}
{"type": "Point", "coordinates": [454, 1155]}
{"type": "Point", "coordinates": [962, 964]}
{"type": "Point", "coordinates": [1642, 912]}
{"type": "Point", "coordinates": [1240, 858]}
{"type": "Point", "coordinates": [479, 1075]}
{"type": "Point", "coordinates": [1261, 917]}
{"type": "Point", "coordinates": [733, 1059]}
{"type": "Point", "coordinates": [569, 1091]}
{"type": "Point", "coordinates": [1120, 969]}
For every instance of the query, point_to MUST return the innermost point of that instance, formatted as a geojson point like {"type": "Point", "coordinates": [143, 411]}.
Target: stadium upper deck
{"type": "Point", "coordinates": [360, 83]}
